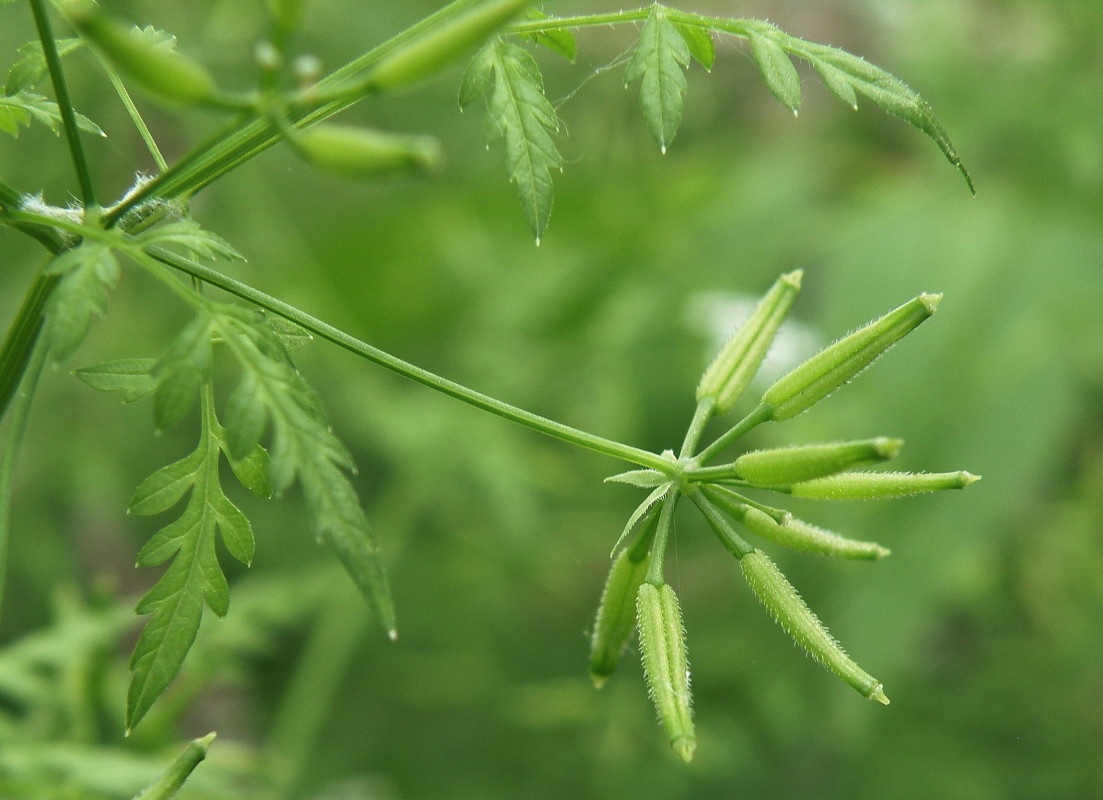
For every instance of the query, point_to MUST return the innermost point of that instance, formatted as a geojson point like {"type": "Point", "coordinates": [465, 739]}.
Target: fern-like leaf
{"type": "Point", "coordinates": [195, 577]}
{"type": "Point", "coordinates": [19, 109]}
{"type": "Point", "coordinates": [520, 114]}
{"type": "Point", "coordinates": [186, 237]}
{"type": "Point", "coordinates": [88, 273]}
{"type": "Point", "coordinates": [658, 63]}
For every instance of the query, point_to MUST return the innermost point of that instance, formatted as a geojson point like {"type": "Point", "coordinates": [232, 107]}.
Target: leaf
{"type": "Point", "coordinates": [181, 370]}
{"type": "Point", "coordinates": [701, 45]}
{"type": "Point", "coordinates": [645, 478]}
{"type": "Point", "coordinates": [30, 67]}
{"type": "Point", "coordinates": [522, 115]}
{"type": "Point", "coordinates": [129, 377]}
{"type": "Point", "coordinates": [195, 577]}
{"type": "Point", "coordinates": [23, 106]}
{"type": "Point", "coordinates": [294, 337]}
{"type": "Point", "coordinates": [560, 41]}
{"type": "Point", "coordinates": [844, 73]}
{"type": "Point", "coordinates": [252, 470]}
{"type": "Point", "coordinates": [187, 237]}
{"type": "Point", "coordinates": [87, 273]}
{"type": "Point", "coordinates": [642, 512]}
{"type": "Point", "coordinates": [303, 447]}
{"type": "Point", "coordinates": [777, 70]}
{"type": "Point", "coordinates": [658, 62]}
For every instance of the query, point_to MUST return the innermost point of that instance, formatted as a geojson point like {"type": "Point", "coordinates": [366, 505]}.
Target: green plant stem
{"type": "Point", "coordinates": [721, 527]}
{"type": "Point", "coordinates": [338, 337]}
{"type": "Point", "coordinates": [16, 428]}
{"type": "Point", "coordinates": [701, 416]}
{"type": "Point", "coordinates": [15, 353]}
{"type": "Point", "coordinates": [245, 138]}
{"type": "Point", "coordinates": [763, 413]}
{"type": "Point", "coordinates": [135, 116]}
{"type": "Point", "coordinates": [662, 538]}
{"type": "Point", "coordinates": [65, 105]}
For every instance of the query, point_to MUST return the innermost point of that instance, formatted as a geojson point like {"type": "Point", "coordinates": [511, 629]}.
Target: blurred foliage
{"type": "Point", "coordinates": [984, 624]}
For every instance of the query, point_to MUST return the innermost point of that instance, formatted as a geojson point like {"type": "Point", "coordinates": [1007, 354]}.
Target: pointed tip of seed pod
{"type": "Point", "coordinates": [685, 746]}
{"type": "Point", "coordinates": [392, 634]}
{"type": "Point", "coordinates": [205, 742]}
{"type": "Point", "coordinates": [887, 448]}
{"type": "Point", "coordinates": [598, 680]}
{"type": "Point", "coordinates": [880, 552]}
{"type": "Point", "coordinates": [968, 479]}
{"type": "Point", "coordinates": [878, 694]}
{"type": "Point", "coordinates": [930, 301]}
{"type": "Point", "coordinates": [793, 278]}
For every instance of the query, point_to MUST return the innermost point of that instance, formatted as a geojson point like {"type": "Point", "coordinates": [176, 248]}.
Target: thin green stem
{"type": "Point", "coordinates": [581, 21]}
{"type": "Point", "coordinates": [662, 538]}
{"type": "Point", "coordinates": [723, 529]}
{"type": "Point", "coordinates": [135, 116]}
{"type": "Point", "coordinates": [16, 429]}
{"type": "Point", "coordinates": [763, 413]}
{"type": "Point", "coordinates": [15, 353]}
{"type": "Point", "coordinates": [65, 105]}
{"type": "Point", "coordinates": [701, 416]}
{"type": "Point", "coordinates": [338, 337]}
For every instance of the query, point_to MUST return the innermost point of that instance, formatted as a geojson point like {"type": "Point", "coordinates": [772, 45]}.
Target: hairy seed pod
{"type": "Point", "coordinates": [435, 47]}
{"type": "Point", "coordinates": [364, 153]}
{"type": "Point", "coordinates": [665, 664]}
{"type": "Point", "coordinates": [616, 618]}
{"type": "Point", "coordinates": [833, 366]}
{"type": "Point", "coordinates": [792, 464]}
{"type": "Point", "coordinates": [731, 372]}
{"type": "Point", "coordinates": [157, 68]}
{"type": "Point", "coordinates": [796, 618]}
{"type": "Point", "coordinates": [875, 485]}
{"type": "Point", "coordinates": [794, 533]}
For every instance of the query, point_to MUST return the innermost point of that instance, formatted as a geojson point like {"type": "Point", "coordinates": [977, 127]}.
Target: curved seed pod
{"type": "Point", "coordinates": [874, 485]}
{"type": "Point", "coordinates": [160, 70]}
{"type": "Point", "coordinates": [792, 464]}
{"type": "Point", "coordinates": [796, 534]}
{"type": "Point", "coordinates": [435, 47]}
{"type": "Point", "coordinates": [616, 618]}
{"type": "Point", "coordinates": [665, 665]}
{"type": "Point", "coordinates": [833, 366]}
{"type": "Point", "coordinates": [363, 153]}
{"type": "Point", "coordinates": [731, 372]}
{"type": "Point", "coordinates": [797, 619]}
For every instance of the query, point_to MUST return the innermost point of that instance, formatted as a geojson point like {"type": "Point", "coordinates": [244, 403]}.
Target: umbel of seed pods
{"type": "Point", "coordinates": [636, 596]}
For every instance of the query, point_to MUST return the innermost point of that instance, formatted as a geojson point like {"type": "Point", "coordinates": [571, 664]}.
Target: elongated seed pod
{"type": "Point", "coordinates": [616, 615]}
{"type": "Point", "coordinates": [665, 664]}
{"type": "Point", "coordinates": [160, 70]}
{"type": "Point", "coordinates": [794, 533]}
{"type": "Point", "coordinates": [792, 464]}
{"type": "Point", "coordinates": [731, 372]}
{"type": "Point", "coordinates": [438, 45]}
{"type": "Point", "coordinates": [833, 366]}
{"type": "Point", "coordinates": [796, 618]}
{"type": "Point", "coordinates": [364, 153]}
{"type": "Point", "coordinates": [874, 485]}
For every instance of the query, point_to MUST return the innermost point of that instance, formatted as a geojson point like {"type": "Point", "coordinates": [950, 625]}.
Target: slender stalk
{"type": "Point", "coordinates": [65, 105]}
{"type": "Point", "coordinates": [10, 454]}
{"type": "Point", "coordinates": [662, 538]}
{"type": "Point", "coordinates": [15, 352]}
{"type": "Point", "coordinates": [761, 414]}
{"type": "Point", "coordinates": [701, 416]}
{"type": "Point", "coordinates": [580, 21]}
{"type": "Point", "coordinates": [338, 337]}
{"type": "Point", "coordinates": [135, 116]}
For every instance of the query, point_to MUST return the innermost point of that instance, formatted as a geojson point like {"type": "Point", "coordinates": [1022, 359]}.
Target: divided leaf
{"type": "Point", "coordinates": [195, 577]}
{"type": "Point", "coordinates": [30, 67]}
{"type": "Point", "coordinates": [20, 108]}
{"type": "Point", "coordinates": [560, 41]}
{"type": "Point", "coordinates": [777, 70]}
{"type": "Point", "coordinates": [187, 237]}
{"type": "Point", "coordinates": [509, 77]}
{"type": "Point", "coordinates": [701, 45]}
{"type": "Point", "coordinates": [303, 447]}
{"type": "Point", "coordinates": [659, 62]}
{"type": "Point", "coordinates": [87, 273]}
{"type": "Point", "coordinates": [131, 378]}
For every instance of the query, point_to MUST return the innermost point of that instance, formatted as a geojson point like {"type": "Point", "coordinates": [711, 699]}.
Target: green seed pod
{"type": "Point", "coordinates": [792, 464]}
{"type": "Point", "coordinates": [833, 366]}
{"type": "Point", "coordinates": [364, 153]}
{"type": "Point", "coordinates": [797, 619]}
{"type": "Point", "coordinates": [616, 617]}
{"type": "Point", "coordinates": [155, 66]}
{"type": "Point", "coordinates": [794, 533]}
{"type": "Point", "coordinates": [731, 372]}
{"type": "Point", "coordinates": [665, 665]}
{"type": "Point", "coordinates": [440, 44]}
{"type": "Point", "coordinates": [874, 485]}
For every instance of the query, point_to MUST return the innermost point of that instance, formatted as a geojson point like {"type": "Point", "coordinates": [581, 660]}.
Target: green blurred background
{"type": "Point", "coordinates": [985, 624]}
